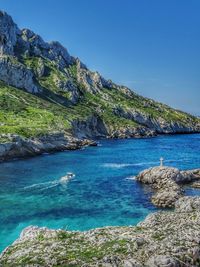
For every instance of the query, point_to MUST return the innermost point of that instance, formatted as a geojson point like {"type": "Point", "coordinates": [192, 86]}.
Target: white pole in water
{"type": "Point", "coordinates": [161, 161]}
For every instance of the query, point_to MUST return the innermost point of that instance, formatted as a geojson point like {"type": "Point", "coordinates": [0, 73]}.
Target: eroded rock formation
{"type": "Point", "coordinates": [167, 182]}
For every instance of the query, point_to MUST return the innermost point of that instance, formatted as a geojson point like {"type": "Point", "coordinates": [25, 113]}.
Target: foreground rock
{"type": "Point", "coordinates": [167, 182]}
{"type": "Point", "coordinates": [17, 147]}
{"type": "Point", "coordinates": [163, 239]}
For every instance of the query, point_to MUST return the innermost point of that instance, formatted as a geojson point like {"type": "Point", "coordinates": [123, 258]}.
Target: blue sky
{"type": "Point", "coordinates": [152, 46]}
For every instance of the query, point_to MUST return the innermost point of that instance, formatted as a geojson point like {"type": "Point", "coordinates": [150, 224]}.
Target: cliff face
{"type": "Point", "coordinates": [50, 91]}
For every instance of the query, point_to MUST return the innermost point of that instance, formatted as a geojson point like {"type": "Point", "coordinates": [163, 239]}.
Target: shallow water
{"type": "Point", "coordinates": [102, 193]}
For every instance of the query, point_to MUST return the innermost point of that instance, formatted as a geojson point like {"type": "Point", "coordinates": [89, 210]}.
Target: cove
{"type": "Point", "coordinates": [101, 193]}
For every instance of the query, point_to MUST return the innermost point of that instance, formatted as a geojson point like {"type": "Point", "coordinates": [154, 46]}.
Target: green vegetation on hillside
{"type": "Point", "coordinates": [31, 115]}
{"type": "Point", "coordinates": [27, 115]}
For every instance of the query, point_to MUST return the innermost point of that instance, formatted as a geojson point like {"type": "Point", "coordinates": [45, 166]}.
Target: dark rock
{"type": "Point", "coordinates": [92, 127]}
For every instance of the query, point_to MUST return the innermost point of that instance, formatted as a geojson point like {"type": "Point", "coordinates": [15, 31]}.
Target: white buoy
{"type": "Point", "coordinates": [161, 161]}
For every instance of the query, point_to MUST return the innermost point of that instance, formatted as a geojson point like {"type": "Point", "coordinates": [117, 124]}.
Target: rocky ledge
{"type": "Point", "coordinates": [164, 239]}
{"type": "Point", "coordinates": [167, 183]}
{"type": "Point", "coordinates": [14, 146]}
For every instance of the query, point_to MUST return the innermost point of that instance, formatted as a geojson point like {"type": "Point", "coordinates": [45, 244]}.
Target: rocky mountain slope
{"type": "Point", "coordinates": [163, 239]}
{"type": "Point", "coordinates": [44, 90]}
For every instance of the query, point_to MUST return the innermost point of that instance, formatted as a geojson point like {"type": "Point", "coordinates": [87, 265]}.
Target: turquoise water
{"type": "Point", "coordinates": [100, 194]}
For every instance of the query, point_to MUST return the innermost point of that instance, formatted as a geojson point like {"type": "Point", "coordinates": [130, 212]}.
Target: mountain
{"type": "Point", "coordinates": [50, 100]}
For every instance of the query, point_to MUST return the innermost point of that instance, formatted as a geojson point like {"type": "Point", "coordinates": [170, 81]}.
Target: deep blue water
{"type": "Point", "coordinates": [101, 193]}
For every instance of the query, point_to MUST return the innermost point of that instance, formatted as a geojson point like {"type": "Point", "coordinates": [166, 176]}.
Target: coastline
{"type": "Point", "coordinates": [16, 147]}
{"type": "Point", "coordinates": [164, 238]}
{"type": "Point", "coordinates": [20, 148]}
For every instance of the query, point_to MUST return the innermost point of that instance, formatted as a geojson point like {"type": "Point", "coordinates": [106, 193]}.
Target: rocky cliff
{"type": "Point", "coordinates": [44, 90]}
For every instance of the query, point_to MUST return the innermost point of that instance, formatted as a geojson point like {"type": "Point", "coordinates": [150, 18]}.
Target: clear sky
{"type": "Point", "coordinates": [151, 46]}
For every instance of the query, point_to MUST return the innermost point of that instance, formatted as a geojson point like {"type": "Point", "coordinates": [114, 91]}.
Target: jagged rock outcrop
{"type": "Point", "coordinates": [92, 81]}
{"type": "Point", "coordinates": [92, 127]}
{"type": "Point", "coordinates": [16, 74]}
{"type": "Point", "coordinates": [128, 132]}
{"type": "Point", "coordinates": [159, 124]}
{"type": "Point", "coordinates": [32, 44]}
{"type": "Point", "coordinates": [68, 86]}
{"type": "Point", "coordinates": [167, 182]}
{"type": "Point", "coordinates": [8, 34]}
{"type": "Point", "coordinates": [18, 147]}
{"type": "Point", "coordinates": [163, 239]}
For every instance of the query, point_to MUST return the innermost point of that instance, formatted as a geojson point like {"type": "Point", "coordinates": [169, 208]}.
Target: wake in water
{"type": "Point", "coordinates": [150, 163]}
{"type": "Point", "coordinates": [48, 185]}
{"type": "Point", "coordinates": [124, 165]}
{"type": "Point", "coordinates": [130, 178]}
{"type": "Point", "coordinates": [42, 186]}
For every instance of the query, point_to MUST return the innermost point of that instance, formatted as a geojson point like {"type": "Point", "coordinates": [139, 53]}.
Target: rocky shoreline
{"type": "Point", "coordinates": [13, 146]}
{"type": "Point", "coordinates": [18, 147]}
{"type": "Point", "coordinates": [163, 239]}
{"type": "Point", "coordinates": [168, 183]}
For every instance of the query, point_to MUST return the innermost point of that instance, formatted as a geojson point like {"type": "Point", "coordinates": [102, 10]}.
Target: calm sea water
{"type": "Point", "coordinates": [100, 194]}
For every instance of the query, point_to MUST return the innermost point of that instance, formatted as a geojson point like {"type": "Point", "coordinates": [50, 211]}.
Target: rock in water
{"type": "Point", "coordinates": [167, 181]}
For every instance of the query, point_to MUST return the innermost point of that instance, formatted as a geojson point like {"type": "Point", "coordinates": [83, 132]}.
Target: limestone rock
{"type": "Point", "coordinates": [188, 204]}
{"type": "Point", "coordinates": [92, 127]}
{"type": "Point", "coordinates": [40, 68]}
{"type": "Point", "coordinates": [8, 34]}
{"type": "Point", "coordinates": [92, 81]}
{"type": "Point", "coordinates": [164, 239]}
{"type": "Point", "coordinates": [167, 182]}
{"type": "Point", "coordinates": [128, 132]}
{"type": "Point", "coordinates": [18, 147]}
{"type": "Point", "coordinates": [162, 261]}
{"type": "Point", "coordinates": [33, 44]}
{"type": "Point", "coordinates": [16, 74]}
{"type": "Point", "coordinates": [68, 86]}
{"type": "Point", "coordinates": [165, 198]}
{"type": "Point", "coordinates": [159, 125]}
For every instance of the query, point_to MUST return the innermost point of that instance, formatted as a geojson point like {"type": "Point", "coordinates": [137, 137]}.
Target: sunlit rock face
{"type": "Point", "coordinates": [8, 34]}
